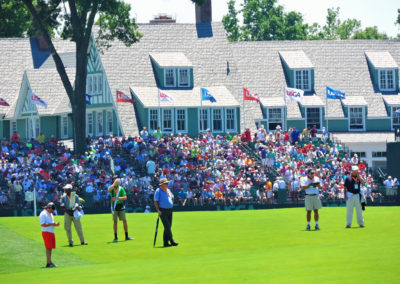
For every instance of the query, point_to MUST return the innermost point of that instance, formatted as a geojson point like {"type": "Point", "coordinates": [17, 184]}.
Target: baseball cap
{"type": "Point", "coordinates": [50, 205]}
{"type": "Point", "coordinates": [163, 180]}
{"type": "Point", "coordinates": [67, 186]}
{"type": "Point", "coordinates": [311, 171]}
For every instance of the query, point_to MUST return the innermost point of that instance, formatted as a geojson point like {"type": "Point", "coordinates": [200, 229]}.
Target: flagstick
{"type": "Point", "coordinates": [159, 110]}
{"type": "Point", "coordinates": [116, 108]}
{"type": "Point", "coordinates": [285, 109]}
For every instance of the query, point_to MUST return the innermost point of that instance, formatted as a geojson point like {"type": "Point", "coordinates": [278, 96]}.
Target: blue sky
{"type": "Point", "coordinates": [381, 13]}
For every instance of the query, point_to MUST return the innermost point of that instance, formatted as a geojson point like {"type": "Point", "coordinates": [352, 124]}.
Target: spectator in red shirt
{"type": "Point", "coordinates": [15, 137]}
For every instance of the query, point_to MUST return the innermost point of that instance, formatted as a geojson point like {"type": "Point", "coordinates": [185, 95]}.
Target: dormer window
{"type": "Point", "coordinates": [386, 80]}
{"type": "Point", "coordinates": [169, 77]}
{"type": "Point", "coordinates": [183, 77]}
{"type": "Point", "coordinates": [302, 79]}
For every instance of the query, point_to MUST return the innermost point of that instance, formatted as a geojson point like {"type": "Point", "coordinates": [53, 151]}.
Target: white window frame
{"type": "Point", "coordinates": [63, 134]}
{"type": "Point", "coordinates": [87, 124]}
{"type": "Point", "coordinates": [320, 117]}
{"type": "Point", "coordinates": [302, 79]}
{"type": "Point", "coordinates": [363, 118]}
{"type": "Point", "coordinates": [165, 130]}
{"type": "Point", "coordinates": [386, 79]}
{"type": "Point", "coordinates": [212, 120]}
{"type": "Point", "coordinates": [99, 118]}
{"type": "Point", "coordinates": [394, 107]}
{"type": "Point", "coordinates": [282, 122]}
{"type": "Point", "coordinates": [234, 120]}
{"type": "Point", "coordinates": [179, 77]}
{"type": "Point", "coordinates": [165, 77]}
{"type": "Point", "coordinates": [109, 119]}
{"type": "Point", "coordinates": [12, 129]}
{"type": "Point", "coordinates": [208, 119]}
{"type": "Point", "coordinates": [176, 120]}
{"type": "Point", "coordinates": [94, 84]}
{"type": "Point", "coordinates": [149, 119]}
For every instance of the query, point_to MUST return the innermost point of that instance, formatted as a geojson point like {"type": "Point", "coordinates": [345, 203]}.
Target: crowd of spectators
{"type": "Point", "coordinates": [203, 170]}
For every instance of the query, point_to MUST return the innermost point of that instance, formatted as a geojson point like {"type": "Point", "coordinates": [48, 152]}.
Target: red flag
{"type": "Point", "coordinates": [250, 97]}
{"type": "Point", "coordinates": [122, 98]}
{"type": "Point", "coordinates": [3, 103]}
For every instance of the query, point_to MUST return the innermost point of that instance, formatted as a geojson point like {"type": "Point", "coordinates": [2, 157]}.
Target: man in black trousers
{"type": "Point", "coordinates": [163, 200]}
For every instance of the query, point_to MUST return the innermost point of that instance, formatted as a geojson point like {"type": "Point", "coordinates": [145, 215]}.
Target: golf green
{"type": "Point", "coordinates": [256, 246]}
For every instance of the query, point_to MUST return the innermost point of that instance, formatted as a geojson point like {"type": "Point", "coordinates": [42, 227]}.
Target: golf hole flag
{"type": "Point", "coordinates": [122, 98]}
{"type": "Point", "coordinates": [249, 96]}
{"type": "Point", "coordinates": [334, 94]}
{"type": "Point", "coordinates": [36, 100]}
{"type": "Point", "coordinates": [206, 96]}
{"type": "Point", "coordinates": [3, 102]}
{"type": "Point", "coordinates": [294, 94]}
{"type": "Point", "coordinates": [164, 97]}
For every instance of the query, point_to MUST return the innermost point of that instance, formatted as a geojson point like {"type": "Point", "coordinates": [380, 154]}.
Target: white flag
{"type": "Point", "coordinates": [164, 97]}
{"type": "Point", "coordinates": [294, 94]}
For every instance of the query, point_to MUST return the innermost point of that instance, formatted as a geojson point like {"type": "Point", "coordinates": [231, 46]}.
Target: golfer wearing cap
{"type": "Point", "coordinates": [311, 184]}
{"type": "Point", "coordinates": [47, 223]}
{"type": "Point", "coordinates": [118, 196]}
{"type": "Point", "coordinates": [70, 203]}
{"type": "Point", "coordinates": [352, 195]}
{"type": "Point", "coordinates": [163, 200]}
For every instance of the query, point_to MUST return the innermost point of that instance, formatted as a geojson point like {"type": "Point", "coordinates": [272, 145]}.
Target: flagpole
{"type": "Point", "coordinates": [201, 108]}
{"type": "Point", "coordinates": [326, 113]}
{"type": "Point", "coordinates": [285, 109]}
{"type": "Point", "coordinates": [244, 114]}
{"type": "Point", "coordinates": [116, 108]}
{"type": "Point", "coordinates": [159, 110]}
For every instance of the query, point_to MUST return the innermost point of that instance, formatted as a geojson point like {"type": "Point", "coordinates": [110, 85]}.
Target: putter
{"type": "Point", "coordinates": [155, 236]}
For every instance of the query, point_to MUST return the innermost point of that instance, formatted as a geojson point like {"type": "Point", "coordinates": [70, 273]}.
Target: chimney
{"type": "Point", "coordinates": [42, 43]}
{"type": "Point", "coordinates": [162, 19]}
{"type": "Point", "coordinates": [204, 13]}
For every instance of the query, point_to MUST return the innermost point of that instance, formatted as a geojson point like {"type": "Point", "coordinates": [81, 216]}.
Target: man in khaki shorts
{"type": "Point", "coordinates": [311, 184]}
{"type": "Point", "coordinates": [118, 196]}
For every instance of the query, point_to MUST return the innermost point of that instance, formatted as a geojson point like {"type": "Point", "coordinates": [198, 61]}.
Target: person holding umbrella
{"type": "Point", "coordinates": [163, 201]}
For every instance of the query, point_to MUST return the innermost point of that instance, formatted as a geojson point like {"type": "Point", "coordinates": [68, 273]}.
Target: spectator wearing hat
{"type": "Point", "coordinates": [163, 201]}
{"type": "Point", "coordinates": [390, 185]}
{"type": "Point", "coordinates": [118, 197]}
{"type": "Point", "coordinates": [311, 184]}
{"type": "Point", "coordinates": [47, 223]}
{"type": "Point", "coordinates": [352, 195]}
{"type": "Point", "coordinates": [69, 203]}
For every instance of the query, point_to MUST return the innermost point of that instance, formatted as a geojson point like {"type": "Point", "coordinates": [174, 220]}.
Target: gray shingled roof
{"type": "Point", "coordinates": [309, 101]}
{"type": "Point", "coordinates": [186, 98]}
{"type": "Point", "coordinates": [212, 59]}
{"type": "Point", "coordinates": [15, 59]}
{"type": "Point", "coordinates": [171, 59]}
{"type": "Point", "coordinates": [340, 64]}
{"type": "Point", "coordinates": [272, 101]}
{"type": "Point", "coordinates": [354, 101]}
{"type": "Point", "coordinates": [296, 59]}
{"type": "Point", "coordinates": [46, 83]}
{"type": "Point", "coordinates": [392, 99]}
{"type": "Point", "coordinates": [381, 59]}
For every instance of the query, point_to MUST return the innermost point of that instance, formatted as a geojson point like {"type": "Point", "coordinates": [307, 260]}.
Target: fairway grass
{"type": "Point", "coordinates": [255, 246]}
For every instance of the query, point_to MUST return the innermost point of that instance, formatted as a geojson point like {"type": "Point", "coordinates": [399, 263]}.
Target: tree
{"type": "Point", "coordinates": [78, 17]}
{"type": "Point", "coordinates": [336, 29]}
{"type": "Point", "coordinates": [15, 19]}
{"type": "Point", "coordinates": [231, 22]}
{"type": "Point", "coordinates": [370, 33]}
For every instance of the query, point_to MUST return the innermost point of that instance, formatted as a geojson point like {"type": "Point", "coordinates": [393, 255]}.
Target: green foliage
{"type": "Point", "coordinates": [15, 19]}
{"type": "Point", "coordinates": [370, 33]}
{"type": "Point", "coordinates": [231, 22]}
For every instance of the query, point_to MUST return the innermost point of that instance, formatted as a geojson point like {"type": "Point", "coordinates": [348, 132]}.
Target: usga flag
{"type": "Point", "coordinates": [206, 96]}
{"type": "Point", "coordinates": [3, 102]}
{"type": "Point", "coordinates": [334, 94]}
{"type": "Point", "coordinates": [122, 98]}
{"type": "Point", "coordinates": [250, 97]}
{"type": "Point", "coordinates": [294, 94]}
{"type": "Point", "coordinates": [36, 100]}
{"type": "Point", "coordinates": [164, 97]}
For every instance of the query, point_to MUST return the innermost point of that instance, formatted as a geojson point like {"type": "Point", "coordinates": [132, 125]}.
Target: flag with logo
{"type": "Point", "coordinates": [122, 98]}
{"type": "Point", "coordinates": [294, 94]}
{"type": "Point", "coordinates": [164, 97]}
{"type": "Point", "coordinates": [397, 111]}
{"type": "Point", "coordinates": [334, 94]}
{"type": "Point", "coordinates": [36, 100]}
{"type": "Point", "coordinates": [3, 102]}
{"type": "Point", "coordinates": [249, 96]}
{"type": "Point", "coordinates": [88, 98]}
{"type": "Point", "coordinates": [206, 96]}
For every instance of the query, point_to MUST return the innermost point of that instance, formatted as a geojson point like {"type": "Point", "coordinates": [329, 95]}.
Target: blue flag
{"type": "Point", "coordinates": [88, 97]}
{"type": "Point", "coordinates": [206, 96]}
{"type": "Point", "coordinates": [398, 110]}
{"type": "Point", "coordinates": [334, 94]}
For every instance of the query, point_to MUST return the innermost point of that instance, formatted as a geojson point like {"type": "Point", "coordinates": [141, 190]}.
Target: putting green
{"type": "Point", "coordinates": [217, 247]}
